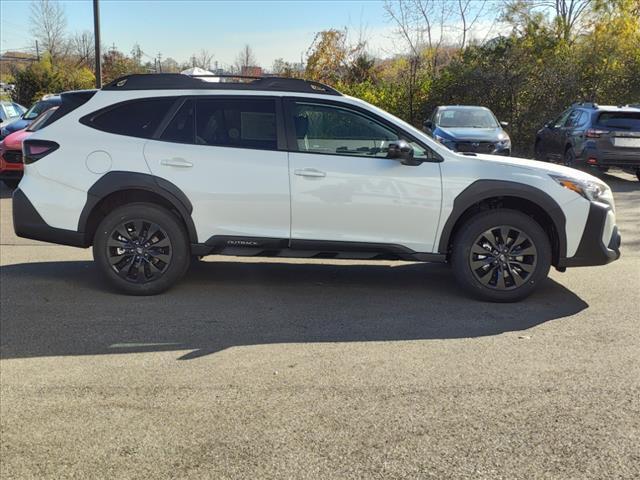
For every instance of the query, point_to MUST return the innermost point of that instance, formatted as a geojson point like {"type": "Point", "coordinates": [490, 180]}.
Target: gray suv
{"type": "Point", "coordinates": [593, 136]}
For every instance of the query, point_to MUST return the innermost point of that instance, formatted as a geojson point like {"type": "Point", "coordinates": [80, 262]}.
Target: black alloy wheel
{"type": "Point", "coordinates": [142, 248]}
{"type": "Point", "coordinates": [503, 258]}
{"type": "Point", "coordinates": [139, 251]}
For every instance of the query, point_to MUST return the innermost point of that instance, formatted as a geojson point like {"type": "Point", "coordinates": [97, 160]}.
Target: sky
{"type": "Point", "coordinates": [178, 29]}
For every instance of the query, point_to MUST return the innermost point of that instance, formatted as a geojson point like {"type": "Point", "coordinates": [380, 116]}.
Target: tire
{"type": "Point", "coordinates": [537, 152]}
{"type": "Point", "coordinates": [12, 184]}
{"type": "Point", "coordinates": [523, 273]}
{"type": "Point", "coordinates": [569, 159]}
{"type": "Point", "coordinates": [141, 249]}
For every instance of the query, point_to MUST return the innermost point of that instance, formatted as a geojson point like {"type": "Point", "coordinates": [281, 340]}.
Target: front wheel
{"type": "Point", "coordinates": [569, 157]}
{"type": "Point", "coordinates": [501, 255]}
{"type": "Point", "coordinates": [141, 248]}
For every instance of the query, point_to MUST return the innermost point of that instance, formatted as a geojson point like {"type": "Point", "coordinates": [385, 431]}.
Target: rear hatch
{"type": "Point", "coordinates": [617, 131]}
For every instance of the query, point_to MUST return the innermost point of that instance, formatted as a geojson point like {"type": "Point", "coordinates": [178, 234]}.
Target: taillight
{"type": "Point", "coordinates": [34, 150]}
{"type": "Point", "coordinates": [595, 133]}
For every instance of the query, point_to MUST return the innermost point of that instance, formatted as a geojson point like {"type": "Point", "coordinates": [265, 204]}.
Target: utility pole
{"type": "Point", "coordinates": [96, 36]}
{"type": "Point", "coordinates": [37, 51]}
{"type": "Point", "coordinates": [160, 61]}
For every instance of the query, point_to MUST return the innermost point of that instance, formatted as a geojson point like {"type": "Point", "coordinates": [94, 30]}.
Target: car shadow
{"type": "Point", "coordinates": [64, 308]}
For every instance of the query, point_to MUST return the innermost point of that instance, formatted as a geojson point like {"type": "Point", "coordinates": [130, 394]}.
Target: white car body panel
{"type": "Point", "coordinates": [234, 191]}
{"type": "Point", "coordinates": [363, 199]}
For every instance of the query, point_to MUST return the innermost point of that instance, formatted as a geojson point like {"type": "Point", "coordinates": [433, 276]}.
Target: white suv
{"type": "Point", "coordinates": [154, 169]}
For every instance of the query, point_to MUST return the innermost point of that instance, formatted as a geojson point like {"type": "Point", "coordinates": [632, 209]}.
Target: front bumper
{"type": "Point", "coordinates": [600, 242]}
{"type": "Point", "coordinates": [28, 223]}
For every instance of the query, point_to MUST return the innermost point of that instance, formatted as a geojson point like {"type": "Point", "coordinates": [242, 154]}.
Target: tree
{"type": "Point", "coordinates": [116, 64]}
{"type": "Point", "coordinates": [136, 53]}
{"type": "Point", "coordinates": [245, 59]}
{"type": "Point", "coordinates": [48, 23]}
{"type": "Point", "coordinates": [82, 47]}
{"type": "Point", "coordinates": [566, 18]}
{"type": "Point", "coordinates": [202, 59]}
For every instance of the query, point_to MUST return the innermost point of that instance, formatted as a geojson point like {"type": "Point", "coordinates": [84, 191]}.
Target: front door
{"type": "Point", "coordinates": [223, 154]}
{"type": "Point", "coordinates": [343, 188]}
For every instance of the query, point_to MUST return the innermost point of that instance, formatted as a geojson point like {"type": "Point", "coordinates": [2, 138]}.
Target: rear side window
{"type": "Point", "coordinates": [623, 120]}
{"type": "Point", "coordinates": [139, 118]}
{"type": "Point", "coordinates": [181, 128]}
{"type": "Point", "coordinates": [236, 123]}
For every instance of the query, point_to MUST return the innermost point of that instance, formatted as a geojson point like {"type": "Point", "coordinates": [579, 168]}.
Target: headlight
{"type": "Point", "coordinates": [592, 191]}
{"type": "Point", "coordinates": [504, 143]}
{"type": "Point", "coordinates": [445, 141]}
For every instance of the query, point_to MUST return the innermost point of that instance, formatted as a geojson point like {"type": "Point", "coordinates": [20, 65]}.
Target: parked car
{"type": "Point", "coordinates": [156, 168]}
{"type": "Point", "coordinates": [468, 129]}
{"type": "Point", "coordinates": [593, 136]}
{"type": "Point", "coordinates": [11, 166]}
{"type": "Point", "coordinates": [30, 115]}
{"type": "Point", "coordinates": [10, 111]}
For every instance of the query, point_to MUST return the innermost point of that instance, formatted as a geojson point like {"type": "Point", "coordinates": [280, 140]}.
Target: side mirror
{"type": "Point", "coordinates": [402, 151]}
{"type": "Point", "coordinates": [504, 124]}
{"type": "Point", "coordinates": [428, 125]}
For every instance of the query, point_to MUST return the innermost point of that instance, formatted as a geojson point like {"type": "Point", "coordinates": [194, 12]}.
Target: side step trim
{"type": "Point", "coordinates": [296, 248]}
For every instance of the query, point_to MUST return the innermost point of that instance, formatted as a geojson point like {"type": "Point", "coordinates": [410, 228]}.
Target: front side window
{"type": "Point", "coordinates": [240, 123]}
{"type": "Point", "coordinates": [139, 118]}
{"type": "Point", "coordinates": [336, 130]}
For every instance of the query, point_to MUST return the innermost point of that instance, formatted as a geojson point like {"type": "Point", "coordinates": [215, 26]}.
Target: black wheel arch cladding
{"type": "Point", "coordinates": [120, 181]}
{"type": "Point", "coordinates": [482, 190]}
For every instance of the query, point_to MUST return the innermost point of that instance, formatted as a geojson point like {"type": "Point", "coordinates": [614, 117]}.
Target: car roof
{"type": "Point", "coordinates": [462, 107]}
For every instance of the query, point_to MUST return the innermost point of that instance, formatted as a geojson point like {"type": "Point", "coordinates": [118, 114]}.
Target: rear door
{"type": "Point", "coordinates": [224, 154]}
{"type": "Point", "coordinates": [345, 189]}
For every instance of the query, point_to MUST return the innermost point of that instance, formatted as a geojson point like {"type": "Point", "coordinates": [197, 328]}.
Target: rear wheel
{"type": "Point", "coordinates": [142, 249]}
{"type": "Point", "coordinates": [501, 255]}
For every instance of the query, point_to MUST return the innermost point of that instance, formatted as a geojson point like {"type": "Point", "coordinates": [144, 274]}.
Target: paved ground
{"type": "Point", "coordinates": [318, 370]}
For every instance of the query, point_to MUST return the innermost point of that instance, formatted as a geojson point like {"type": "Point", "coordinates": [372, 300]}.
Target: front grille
{"type": "Point", "coordinates": [13, 156]}
{"type": "Point", "coordinates": [476, 147]}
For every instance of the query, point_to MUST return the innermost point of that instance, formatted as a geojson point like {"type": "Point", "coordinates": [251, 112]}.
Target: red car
{"type": "Point", "coordinates": [11, 165]}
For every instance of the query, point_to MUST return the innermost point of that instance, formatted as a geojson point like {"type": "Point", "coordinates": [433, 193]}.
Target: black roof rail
{"type": "Point", "coordinates": [179, 81]}
{"type": "Point", "coordinates": [585, 104]}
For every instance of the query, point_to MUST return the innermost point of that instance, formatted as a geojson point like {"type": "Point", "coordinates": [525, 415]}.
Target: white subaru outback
{"type": "Point", "coordinates": [154, 169]}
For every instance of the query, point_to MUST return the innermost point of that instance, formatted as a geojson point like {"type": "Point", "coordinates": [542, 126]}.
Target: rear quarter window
{"type": "Point", "coordinates": [137, 118]}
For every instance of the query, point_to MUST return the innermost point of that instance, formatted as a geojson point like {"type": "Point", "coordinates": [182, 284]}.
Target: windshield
{"type": "Point", "coordinates": [36, 109]}
{"type": "Point", "coordinates": [466, 117]}
{"type": "Point", "coordinates": [38, 122]}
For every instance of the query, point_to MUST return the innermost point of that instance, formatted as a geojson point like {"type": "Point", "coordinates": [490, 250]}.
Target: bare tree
{"type": "Point", "coordinates": [202, 59]}
{"type": "Point", "coordinates": [48, 23]}
{"type": "Point", "coordinates": [137, 53]}
{"type": "Point", "coordinates": [567, 16]}
{"type": "Point", "coordinates": [469, 13]}
{"type": "Point", "coordinates": [82, 47]}
{"type": "Point", "coordinates": [245, 59]}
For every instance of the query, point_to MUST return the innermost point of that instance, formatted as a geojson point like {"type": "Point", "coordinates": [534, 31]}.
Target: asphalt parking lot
{"type": "Point", "coordinates": [287, 369]}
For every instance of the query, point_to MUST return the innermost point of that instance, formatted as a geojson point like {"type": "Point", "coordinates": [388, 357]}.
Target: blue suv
{"type": "Point", "coordinates": [468, 129]}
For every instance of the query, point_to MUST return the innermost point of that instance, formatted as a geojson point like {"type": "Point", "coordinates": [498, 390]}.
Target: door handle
{"type": "Point", "coordinates": [176, 162]}
{"type": "Point", "coordinates": [309, 172]}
